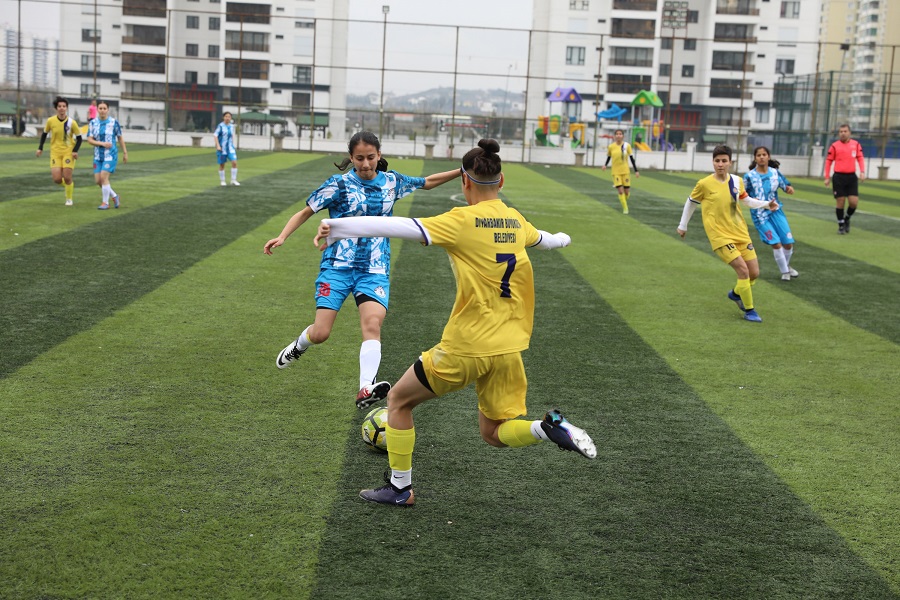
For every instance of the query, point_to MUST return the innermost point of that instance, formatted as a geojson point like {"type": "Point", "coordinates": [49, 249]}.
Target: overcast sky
{"type": "Point", "coordinates": [498, 56]}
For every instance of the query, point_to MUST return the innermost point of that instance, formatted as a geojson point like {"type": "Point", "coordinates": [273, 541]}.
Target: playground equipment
{"type": "Point", "coordinates": [551, 129]}
{"type": "Point", "coordinates": [613, 112]}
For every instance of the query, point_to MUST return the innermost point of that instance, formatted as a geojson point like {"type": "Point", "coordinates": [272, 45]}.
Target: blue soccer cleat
{"type": "Point", "coordinates": [103, 207]}
{"type": "Point", "coordinates": [751, 316]}
{"type": "Point", "coordinates": [116, 201]}
{"type": "Point", "coordinates": [388, 494]}
{"type": "Point", "coordinates": [567, 436]}
{"type": "Point", "coordinates": [736, 299]}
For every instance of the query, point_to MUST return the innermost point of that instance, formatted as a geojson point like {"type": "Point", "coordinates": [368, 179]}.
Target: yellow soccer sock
{"type": "Point", "coordinates": [516, 433]}
{"type": "Point", "coordinates": [743, 290]}
{"type": "Point", "coordinates": [623, 200]}
{"type": "Point", "coordinates": [70, 188]}
{"type": "Point", "coordinates": [400, 443]}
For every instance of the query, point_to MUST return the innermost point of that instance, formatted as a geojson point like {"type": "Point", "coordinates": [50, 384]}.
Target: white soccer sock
{"type": "Point", "coordinates": [401, 479]}
{"type": "Point", "coordinates": [537, 431]}
{"type": "Point", "coordinates": [780, 260]}
{"type": "Point", "coordinates": [369, 361]}
{"type": "Point", "coordinates": [303, 342]}
{"type": "Point", "coordinates": [105, 190]}
{"type": "Point", "coordinates": [222, 175]}
{"type": "Point", "coordinates": [112, 192]}
{"type": "Point", "coordinates": [233, 174]}
{"type": "Point", "coordinates": [787, 254]}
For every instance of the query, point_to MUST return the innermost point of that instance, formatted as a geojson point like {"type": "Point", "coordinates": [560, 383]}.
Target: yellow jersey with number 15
{"type": "Point", "coordinates": [494, 309]}
{"type": "Point", "coordinates": [62, 133]}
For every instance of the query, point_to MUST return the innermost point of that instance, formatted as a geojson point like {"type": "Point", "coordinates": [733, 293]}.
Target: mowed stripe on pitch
{"type": "Point", "coordinates": [61, 284]}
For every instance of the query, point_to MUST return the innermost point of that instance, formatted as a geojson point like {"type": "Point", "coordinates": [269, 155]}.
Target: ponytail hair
{"type": "Point", "coordinates": [484, 161]}
{"type": "Point", "coordinates": [363, 137]}
{"type": "Point", "coordinates": [772, 162]}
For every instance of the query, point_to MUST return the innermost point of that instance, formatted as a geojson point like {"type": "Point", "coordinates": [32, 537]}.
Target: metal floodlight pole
{"type": "Point", "coordinates": [19, 72]}
{"type": "Point", "coordinates": [94, 89]}
{"type": "Point", "coordinates": [597, 102]}
{"type": "Point", "coordinates": [886, 109]}
{"type": "Point", "coordinates": [385, 9]}
{"type": "Point", "coordinates": [453, 108]}
{"type": "Point", "coordinates": [674, 17]}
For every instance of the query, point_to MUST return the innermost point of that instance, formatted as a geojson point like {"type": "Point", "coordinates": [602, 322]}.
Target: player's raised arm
{"type": "Point", "coordinates": [331, 230]}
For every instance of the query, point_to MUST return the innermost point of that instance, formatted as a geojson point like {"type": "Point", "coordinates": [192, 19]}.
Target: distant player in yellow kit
{"type": "Point", "coordinates": [489, 327]}
{"type": "Point", "coordinates": [619, 152]}
{"type": "Point", "coordinates": [718, 195]}
{"type": "Point", "coordinates": [65, 140]}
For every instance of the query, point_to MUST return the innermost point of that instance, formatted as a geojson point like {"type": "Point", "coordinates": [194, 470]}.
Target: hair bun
{"type": "Point", "coordinates": [489, 145]}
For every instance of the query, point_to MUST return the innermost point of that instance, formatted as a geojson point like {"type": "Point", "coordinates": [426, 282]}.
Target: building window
{"type": "Point", "coordinates": [725, 88]}
{"type": "Point", "coordinates": [784, 65]}
{"type": "Point", "coordinates": [141, 90]}
{"type": "Point", "coordinates": [143, 63]}
{"type": "Point", "coordinates": [305, 24]}
{"type": "Point", "coordinates": [693, 16]}
{"type": "Point", "coordinates": [790, 9]}
{"type": "Point", "coordinates": [90, 35]}
{"type": "Point", "coordinates": [665, 43]}
{"type": "Point", "coordinates": [302, 74]}
{"type": "Point", "coordinates": [193, 22]}
{"type": "Point", "coordinates": [690, 44]}
{"type": "Point", "coordinates": [634, 4]}
{"type": "Point", "coordinates": [190, 76]}
{"type": "Point", "coordinates": [192, 50]}
{"type": "Point", "coordinates": [727, 61]}
{"type": "Point", "coordinates": [300, 100]}
{"type": "Point", "coordinates": [686, 98]}
{"type": "Point", "coordinates": [631, 57]}
{"type": "Point", "coordinates": [90, 91]}
{"type": "Point", "coordinates": [733, 32]}
{"type": "Point", "coordinates": [665, 70]}
{"type": "Point", "coordinates": [144, 8]}
{"type": "Point", "coordinates": [250, 41]}
{"type": "Point", "coordinates": [579, 4]}
{"type": "Point", "coordinates": [687, 70]}
{"type": "Point", "coordinates": [575, 55]}
{"type": "Point", "coordinates": [144, 35]}
{"type": "Point", "coordinates": [763, 112]}
{"type": "Point", "coordinates": [87, 62]}
{"type": "Point", "coordinates": [719, 115]}
{"type": "Point", "coordinates": [212, 79]}
{"type": "Point", "coordinates": [212, 51]}
{"type": "Point", "coordinates": [215, 23]}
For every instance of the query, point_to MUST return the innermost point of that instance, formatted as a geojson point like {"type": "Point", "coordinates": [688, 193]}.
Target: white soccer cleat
{"type": "Point", "coordinates": [235, 183]}
{"type": "Point", "coordinates": [372, 393]}
{"type": "Point", "coordinates": [785, 276]}
{"type": "Point", "coordinates": [794, 273]}
{"type": "Point", "coordinates": [223, 184]}
{"type": "Point", "coordinates": [69, 203]}
{"type": "Point", "coordinates": [288, 355]}
{"type": "Point", "coordinates": [567, 436]}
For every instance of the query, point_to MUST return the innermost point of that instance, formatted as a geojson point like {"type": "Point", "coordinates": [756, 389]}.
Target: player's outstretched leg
{"type": "Point", "coordinates": [388, 494]}
{"type": "Point", "coordinates": [372, 393]}
{"type": "Point", "coordinates": [567, 436]}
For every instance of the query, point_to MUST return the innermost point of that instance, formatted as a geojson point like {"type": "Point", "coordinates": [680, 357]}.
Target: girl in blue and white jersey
{"type": "Point", "coordinates": [105, 135]}
{"type": "Point", "coordinates": [763, 181]}
{"type": "Point", "coordinates": [357, 266]}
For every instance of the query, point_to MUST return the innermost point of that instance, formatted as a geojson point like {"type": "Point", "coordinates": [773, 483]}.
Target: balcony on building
{"type": "Point", "coordinates": [144, 35]}
{"type": "Point", "coordinates": [647, 5]}
{"type": "Point", "coordinates": [631, 57]}
{"type": "Point", "coordinates": [729, 88]}
{"type": "Point", "coordinates": [730, 61]}
{"type": "Point", "coordinates": [736, 7]}
{"type": "Point", "coordinates": [144, 8]}
{"type": "Point", "coordinates": [247, 41]}
{"type": "Point", "coordinates": [634, 28]}
{"type": "Point", "coordinates": [734, 32]}
{"type": "Point", "coordinates": [242, 12]}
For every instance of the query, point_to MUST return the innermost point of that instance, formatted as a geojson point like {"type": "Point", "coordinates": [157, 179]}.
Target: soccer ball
{"type": "Point", "coordinates": [373, 429]}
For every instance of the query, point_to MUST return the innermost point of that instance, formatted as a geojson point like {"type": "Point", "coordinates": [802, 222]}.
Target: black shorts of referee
{"type": "Point", "coordinates": [845, 184]}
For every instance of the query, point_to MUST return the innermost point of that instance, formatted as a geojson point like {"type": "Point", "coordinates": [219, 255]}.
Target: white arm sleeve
{"type": "Point", "coordinates": [689, 207]}
{"type": "Point", "coordinates": [391, 227]}
{"type": "Point", "coordinates": [753, 202]}
{"type": "Point", "coordinates": [551, 241]}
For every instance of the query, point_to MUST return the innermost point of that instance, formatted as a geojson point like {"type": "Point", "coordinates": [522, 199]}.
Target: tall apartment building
{"type": "Point", "coordinates": [206, 57]}
{"type": "Point", "coordinates": [39, 64]}
{"type": "Point", "coordinates": [855, 36]}
{"type": "Point", "coordinates": [717, 73]}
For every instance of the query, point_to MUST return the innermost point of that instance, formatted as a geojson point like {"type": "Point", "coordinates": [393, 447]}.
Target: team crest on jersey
{"type": "Point", "coordinates": [379, 291]}
{"type": "Point", "coordinates": [105, 165]}
{"type": "Point", "coordinates": [750, 246]}
{"type": "Point", "coordinates": [68, 160]}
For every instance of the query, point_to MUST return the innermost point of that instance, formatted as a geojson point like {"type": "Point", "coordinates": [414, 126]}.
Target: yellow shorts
{"type": "Point", "coordinates": [500, 381]}
{"type": "Point", "coordinates": [61, 160]}
{"type": "Point", "coordinates": [729, 252]}
{"type": "Point", "coordinates": [622, 180]}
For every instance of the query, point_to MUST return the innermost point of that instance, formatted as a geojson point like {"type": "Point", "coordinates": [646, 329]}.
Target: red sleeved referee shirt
{"type": "Point", "coordinates": [844, 156]}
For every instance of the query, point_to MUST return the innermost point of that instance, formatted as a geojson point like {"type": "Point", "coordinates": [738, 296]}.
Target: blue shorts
{"type": "Point", "coordinates": [224, 157]}
{"type": "Point", "coordinates": [108, 165]}
{"type": "Point", "coordinates": [775, 230]}
{"type": "Point", "coordinates": [334, 285]}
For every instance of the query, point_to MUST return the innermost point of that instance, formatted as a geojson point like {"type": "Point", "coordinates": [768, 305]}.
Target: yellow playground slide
{"type": "Point", "coordinates": [642, 146]}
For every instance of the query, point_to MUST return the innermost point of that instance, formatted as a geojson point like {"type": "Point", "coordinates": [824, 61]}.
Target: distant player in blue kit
{"type": "Point", "coordinates": [361, 266]}
{"type": "Point", "coordinates": [105, 135]}
{"type": "Point", "coordinates": [224, 136]}
{"type": "Point", "coordinates": [762, 182]}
